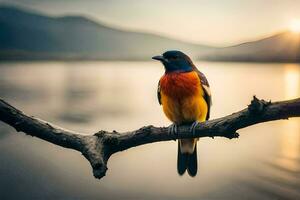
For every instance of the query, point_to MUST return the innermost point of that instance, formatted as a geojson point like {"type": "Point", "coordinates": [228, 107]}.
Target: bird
{"type": "Point", "coordinates": [185, 96]}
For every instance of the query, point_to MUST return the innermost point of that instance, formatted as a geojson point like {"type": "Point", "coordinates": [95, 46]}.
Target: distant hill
{"type": "Point", "coordinates": [282, 47]}
{"type": "Point", "coordinates": [26, 35]}
{"type": "Point", "coordinates": [29, 35]}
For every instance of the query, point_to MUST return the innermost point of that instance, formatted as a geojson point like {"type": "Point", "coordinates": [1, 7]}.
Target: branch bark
{"type": "Point", "coordinates": [97, 148]}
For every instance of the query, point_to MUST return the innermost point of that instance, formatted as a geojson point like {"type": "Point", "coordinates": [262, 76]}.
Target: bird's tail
{"type": "Point", "coordinates": [187, 157]}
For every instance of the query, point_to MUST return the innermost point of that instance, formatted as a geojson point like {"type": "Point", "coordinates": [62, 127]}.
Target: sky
{"type": "Point", "coordinates": [210, 22]}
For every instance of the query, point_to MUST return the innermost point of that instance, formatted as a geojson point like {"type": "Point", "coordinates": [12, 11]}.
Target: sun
{"type": "Point", "coordinates": [295, 26]}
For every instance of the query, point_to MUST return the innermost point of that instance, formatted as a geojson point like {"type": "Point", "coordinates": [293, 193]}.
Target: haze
{"type": "Point", "coordinates": [207, 22]}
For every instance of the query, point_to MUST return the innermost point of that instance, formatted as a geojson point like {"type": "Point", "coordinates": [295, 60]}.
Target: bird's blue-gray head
{"type": "Point", "coordinates": [175, 61]}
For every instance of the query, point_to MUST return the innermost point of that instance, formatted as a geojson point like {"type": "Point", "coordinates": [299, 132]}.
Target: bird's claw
{"type": "Point", "coordinates": [193, 127]}
{"type": "Point", "coordinates": [172, 130]}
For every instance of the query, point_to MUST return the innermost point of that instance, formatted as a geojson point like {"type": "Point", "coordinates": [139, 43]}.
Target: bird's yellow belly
{"type": "Point", "coordinates": [185, 109]}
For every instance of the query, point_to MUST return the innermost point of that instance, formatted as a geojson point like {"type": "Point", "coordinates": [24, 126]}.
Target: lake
{"type": "Point", "coordinates": [264, 163]}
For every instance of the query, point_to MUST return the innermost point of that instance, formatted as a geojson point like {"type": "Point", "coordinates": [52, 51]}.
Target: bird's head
{"type": "Point", "coordinates": [175, 61]}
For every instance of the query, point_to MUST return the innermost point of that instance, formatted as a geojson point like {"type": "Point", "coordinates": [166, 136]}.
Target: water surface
{"type": "Point", "coordinates": [263, 163]}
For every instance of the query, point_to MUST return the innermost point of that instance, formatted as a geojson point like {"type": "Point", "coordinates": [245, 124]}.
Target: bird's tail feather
{"type": "Point", "coordinates": [192, 166]}
{"type": "Point", "coordinates": [187, 161]}
{"type": "Point", "coordinates": [182, 161]}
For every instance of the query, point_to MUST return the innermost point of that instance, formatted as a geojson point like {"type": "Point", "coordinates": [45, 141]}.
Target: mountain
{"type": "Point", "coordinates": [282, 47]}
{"type": "Point", "coordinates": [29, 35]}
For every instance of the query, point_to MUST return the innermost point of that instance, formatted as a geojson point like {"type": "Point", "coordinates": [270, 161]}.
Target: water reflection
{"type": "Point", "coordinates": [292, 81]}
{"type": "Point", "coordinates": [290, 137]}
{"type": "Point", "coordinates": [79, 102]}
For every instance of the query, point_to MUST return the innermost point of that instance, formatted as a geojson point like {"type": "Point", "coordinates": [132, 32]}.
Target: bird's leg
{"type": "Point", "coordinates": [172, 129]}
{"type": "Point", "coordinates": [193, 127]}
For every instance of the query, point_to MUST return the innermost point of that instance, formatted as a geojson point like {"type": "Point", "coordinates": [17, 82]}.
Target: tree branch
{"type": "Point", "coordinates": [97, 148]}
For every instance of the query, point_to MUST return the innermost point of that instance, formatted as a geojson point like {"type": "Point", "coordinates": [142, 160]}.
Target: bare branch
{"type": "Point", "coordinates": [97, 148]}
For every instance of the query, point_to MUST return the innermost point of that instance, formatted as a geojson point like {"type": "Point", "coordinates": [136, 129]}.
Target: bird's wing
{"type": "Point", "coordinates": [158, 93]}
{"type": "Point", "coordinates": [207, 93]}
{"type": "Point", "coordinates": [204, 85]}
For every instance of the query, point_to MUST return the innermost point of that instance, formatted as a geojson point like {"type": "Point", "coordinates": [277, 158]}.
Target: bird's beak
{"type": "Point", "coordinates": [160, 58]}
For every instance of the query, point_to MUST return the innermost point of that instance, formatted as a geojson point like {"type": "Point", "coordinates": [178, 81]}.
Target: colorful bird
{"type": "Point", "coordinates": [183, 91]}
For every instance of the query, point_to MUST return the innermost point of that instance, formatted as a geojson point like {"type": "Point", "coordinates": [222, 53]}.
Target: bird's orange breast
{"type": "Point", "coordinates": [177, 85]}
{"type": "Point", "coordinates": [182, 97]}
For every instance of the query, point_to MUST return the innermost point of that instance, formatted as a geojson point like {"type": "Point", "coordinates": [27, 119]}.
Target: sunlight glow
{"type": "Point", "coordinates": [295, 26]}
{"type": "Point", "coordinates": [290, 136]}
{"type": "Point", "coordinates": [292, 81]}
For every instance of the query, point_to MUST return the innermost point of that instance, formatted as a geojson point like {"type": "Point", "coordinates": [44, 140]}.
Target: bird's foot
{"type": "Point", "coordinates": [193, 127]}
{"type": "Point", "coordinates": [172, 130]}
